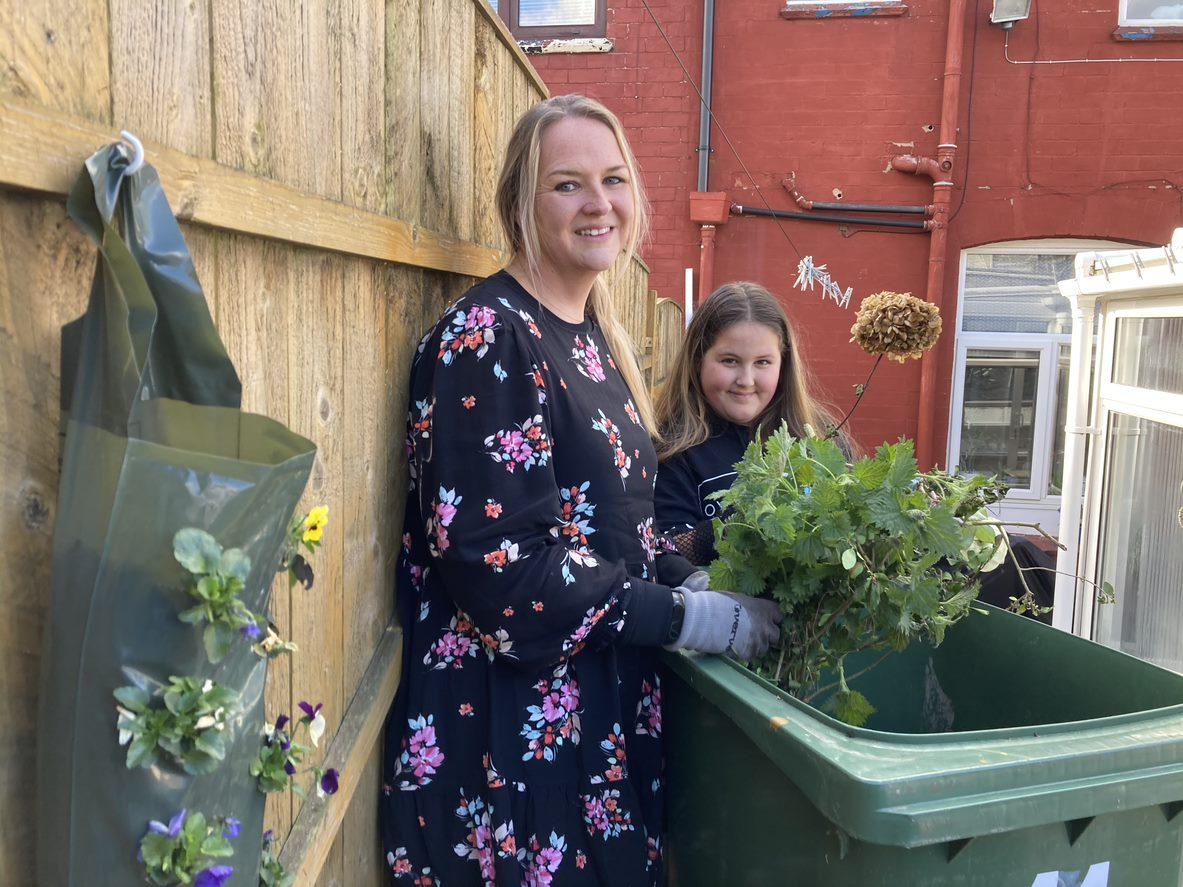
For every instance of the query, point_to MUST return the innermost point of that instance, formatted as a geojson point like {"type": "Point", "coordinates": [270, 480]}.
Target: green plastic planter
{"type": "Point", "coordinates": [1013, 754]}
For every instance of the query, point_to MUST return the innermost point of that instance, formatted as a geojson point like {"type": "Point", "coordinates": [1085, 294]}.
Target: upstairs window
{"type": "Point", "coordinates": [553, 19]}
{"type": "Point", "coordinates": [1151, 13]}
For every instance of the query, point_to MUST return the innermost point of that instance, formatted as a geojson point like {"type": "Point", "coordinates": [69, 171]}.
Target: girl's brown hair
{"type": "Point", "coordinates": [683, 414]}
{"type": "Point", "coordinates": [515, 205]}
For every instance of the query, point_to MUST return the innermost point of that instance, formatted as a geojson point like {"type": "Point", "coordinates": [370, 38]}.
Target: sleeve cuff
{"type": "Point", "coordinates": [649, 610]}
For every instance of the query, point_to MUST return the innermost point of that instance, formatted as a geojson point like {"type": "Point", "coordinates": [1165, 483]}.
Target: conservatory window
{"type": "Point", "coordinates": [1010, 380]}
{"type": "Point", "coordinates": [1151, 12]}
{"type": "Point", "coordinates": [531, 19]}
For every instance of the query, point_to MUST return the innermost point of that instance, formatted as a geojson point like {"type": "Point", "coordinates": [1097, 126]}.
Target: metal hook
{"type": "Point", "coordinates": [137, 158]}
{"type": "Point", "coordinates": [1103, 262]}
{"type": "Point", "coordinates": [1167, 251]}
{"type": "Point", "coordinates": [1137, 263]}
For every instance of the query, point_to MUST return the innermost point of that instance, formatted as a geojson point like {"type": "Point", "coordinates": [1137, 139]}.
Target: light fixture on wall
{"type": "Point", "coordinates": [1007, 12]}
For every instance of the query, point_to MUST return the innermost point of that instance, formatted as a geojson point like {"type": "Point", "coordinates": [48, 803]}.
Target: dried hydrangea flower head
{"type": "Point", "coordinates": [896, 325]}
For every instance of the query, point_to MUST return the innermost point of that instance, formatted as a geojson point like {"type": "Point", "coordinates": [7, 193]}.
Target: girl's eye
{"type": "Point", "coordinates": [727, 361]}
{"type": "Point", "coordinates": [565, 187]}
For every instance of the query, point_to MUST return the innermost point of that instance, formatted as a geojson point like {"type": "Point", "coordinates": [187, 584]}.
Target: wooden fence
{"type": "Point", "coordinates": [333, 164]}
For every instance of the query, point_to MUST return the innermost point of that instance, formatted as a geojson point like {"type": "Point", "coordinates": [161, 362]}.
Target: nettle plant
{"type": "Point", "coordinates": [187, 726]}
{"type": "Point", "coordinates": [865, 556]}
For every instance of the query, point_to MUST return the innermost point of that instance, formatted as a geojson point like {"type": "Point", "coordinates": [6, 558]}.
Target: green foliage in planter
{"type": "Point", "coordinates": [186, 850]}
{"type": "Point", "coordinates": [865, 556]}
{"type": "Point", "coordinates": [218, 578]}
{"type": "Point", "coordinates": [188, 727]}
{"type": "Point", "coordinates": [271, 872]}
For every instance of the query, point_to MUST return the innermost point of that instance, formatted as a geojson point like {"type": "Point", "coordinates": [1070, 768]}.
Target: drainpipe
{"type": "Point", "coordinates": [940, 170]}
{"type": "Point", "coordinates": [704, 109]}
{"type": "Point", "coordinates": [805, 203]}
{"type": "Point", "coordinates": [708, 210]}
{"type": "Point", "coordinates": [917, 224]}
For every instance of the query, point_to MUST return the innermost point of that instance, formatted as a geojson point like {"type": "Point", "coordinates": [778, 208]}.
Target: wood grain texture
{"type": "Point", "coordinates": [56, 53]}
{"type": "Point", "coordinates": [160, 73]}
{"type": "Point", "coordinates": [460, 69]}
{"type": "Point", "coordinates": [319, 821]}
{"type": "Point", "coordinates": [363, 104]}
{"type": "Point", "coordinates": [253, 317]}
{"type": "Point", "coordinates": [46, 266]}
{"type": "Point", "coordinates": [40, 151]}
{"type": "Point", "coordinates": [403, 103]}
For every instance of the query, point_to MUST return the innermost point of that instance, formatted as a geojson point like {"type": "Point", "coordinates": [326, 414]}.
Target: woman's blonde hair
{"type": "Point", "coordinates": [516, 190]}
{"type": "Point", "coordinates": [683, 414]}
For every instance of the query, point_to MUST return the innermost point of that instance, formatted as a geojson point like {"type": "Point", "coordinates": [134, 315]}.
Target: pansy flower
{"type": "Point", "coordinates": [316, 721]}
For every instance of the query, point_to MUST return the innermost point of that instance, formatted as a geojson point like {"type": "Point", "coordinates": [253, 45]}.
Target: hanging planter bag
{"type": "Point", "coordinates": [154, 441]}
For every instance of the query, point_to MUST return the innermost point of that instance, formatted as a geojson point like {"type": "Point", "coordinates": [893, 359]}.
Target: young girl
{"type": "Point", "coordinates": [738, 371]}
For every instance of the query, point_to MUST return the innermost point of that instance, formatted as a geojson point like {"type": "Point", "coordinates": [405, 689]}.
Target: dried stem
{"type": "Point", "coordinates": [833, 433]}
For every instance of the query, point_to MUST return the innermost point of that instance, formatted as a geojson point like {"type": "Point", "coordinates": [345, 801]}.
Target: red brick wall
{"type": "Point", "coordinates": [1049, 151]}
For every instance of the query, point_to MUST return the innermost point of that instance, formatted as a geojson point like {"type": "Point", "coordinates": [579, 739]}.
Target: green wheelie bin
{"type": "Point", "coordinates": [1013, 754]}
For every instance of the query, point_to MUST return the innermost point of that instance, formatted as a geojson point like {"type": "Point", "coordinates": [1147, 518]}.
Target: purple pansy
{"type": "Point", "coordinates": [328, 783]}
{"type": "Point", "coordinates": [173, 829]}
{"type": "Point", "coordinates": [214, 876]}
{"type": "Point", "coordinates": [231, 829]}
{"type": "Point", "coordinates": [251, 631]}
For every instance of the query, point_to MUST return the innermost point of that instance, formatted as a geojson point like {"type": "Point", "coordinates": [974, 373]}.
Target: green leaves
{"type": "Point", "coordinates": [867, 556]}
{"type": "Point", "coordinates": [197, 551]}
{"type": "Point", "coordinates": [218, 579]}
{"type": "Point", "coordinates": [850, 707]}
{"type": "Point", "coordinates": [187, 727]}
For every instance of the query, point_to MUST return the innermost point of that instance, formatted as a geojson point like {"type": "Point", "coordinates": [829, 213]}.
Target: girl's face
{"type": "Point", "coordinates": [584, 204]}
{"type": "Point", "coordinates": [740, 372]}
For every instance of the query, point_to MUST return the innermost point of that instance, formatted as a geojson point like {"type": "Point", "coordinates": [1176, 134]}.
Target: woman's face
{"type": "Point", "coordinates": [584, 203]}
{"type": "Point", "coordinates": [740, 371]}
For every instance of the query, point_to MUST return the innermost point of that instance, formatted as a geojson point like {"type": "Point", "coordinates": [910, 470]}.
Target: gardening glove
{"type": "Point", "coordinates": [699, 580]}
{"type": "Point", "coordinates": [716, 622]}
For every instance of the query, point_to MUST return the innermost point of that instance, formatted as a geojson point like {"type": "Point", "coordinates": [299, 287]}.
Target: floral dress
{"type": "Point", "coordinates": [524, 746]}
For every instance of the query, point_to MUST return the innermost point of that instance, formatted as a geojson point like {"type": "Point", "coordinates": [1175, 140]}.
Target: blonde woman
{"type": "Point", "coordinates": [524, 746]}
{"type": "Point", "coordinates": [738, 371]}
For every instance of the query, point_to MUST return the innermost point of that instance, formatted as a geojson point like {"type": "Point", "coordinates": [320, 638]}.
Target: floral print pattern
{"type": "Point", "coordinates": [649, 709]}
{"type": "Point", "coordinates": [471, 330]}
{"type": "Point", "coordinates": [523, 563]}
{"type": "Point", "coordinates": [555, 720]}
{"type": "Point", "coordinates": [421, 757]}
{"type": "Point", "coordinates": [586, 357]}
{"type": "Point", "coordinates": [605, 816]}
{"type": "Point", "coordinates": [525, 444]}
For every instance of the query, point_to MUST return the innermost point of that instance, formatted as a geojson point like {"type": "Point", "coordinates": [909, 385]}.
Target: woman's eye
{"type": "Point", "coordinates": [565, 187]}
{"type": "Point", "coordinates": [614, 180]}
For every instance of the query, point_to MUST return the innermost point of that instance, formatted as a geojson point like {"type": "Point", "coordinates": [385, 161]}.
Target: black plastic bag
{"type": "Point", "coordinates": [154, 441]}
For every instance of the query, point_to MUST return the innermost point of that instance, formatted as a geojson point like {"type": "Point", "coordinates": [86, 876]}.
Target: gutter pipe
{"type": "Point", "coordinates": [805, 203]}
{"type": "Point", "coordinates": [739, 210]}
{"type": "Point", "coordinates": [940, 170]}
{"type": "Point", "coordinates": [706, 237]}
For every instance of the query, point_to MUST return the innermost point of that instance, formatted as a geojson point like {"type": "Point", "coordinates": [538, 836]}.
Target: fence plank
{"type": "Point", "coordinates": [56, 53]}
{"type": "Point", "coordinates": [460, 37]}
{"type": "Point", "coordinates": [436, 200]}
{"type": "Point", "coordinates": [363, 107]}
{"type": "Point", "coordinates": [487, 149]}
{"type": "Point", "coordinates": [404, 136]}
{"type": "Point", "coordinates": [45, 272]}
{"type": "Point", "coordinates": [253, 317]}
{"type": "Point", "coordinates": [160, 73]}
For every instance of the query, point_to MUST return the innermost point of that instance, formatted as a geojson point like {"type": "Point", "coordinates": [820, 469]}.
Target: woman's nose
{"type": "Point", "coordinates": [597, 202]}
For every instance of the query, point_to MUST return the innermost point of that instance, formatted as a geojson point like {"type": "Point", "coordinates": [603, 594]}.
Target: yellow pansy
{"type": "Point", "coordinates": [314, 524]}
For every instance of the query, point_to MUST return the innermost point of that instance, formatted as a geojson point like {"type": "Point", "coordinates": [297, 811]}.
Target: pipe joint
{"type": "Point", "coordinates": [919, 166]}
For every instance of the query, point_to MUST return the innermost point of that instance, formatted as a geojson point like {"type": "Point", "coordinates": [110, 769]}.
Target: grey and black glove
{"type": "Point", "coordinates": [716, 621]}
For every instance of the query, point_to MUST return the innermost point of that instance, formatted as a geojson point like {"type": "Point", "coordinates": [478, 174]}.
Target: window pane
{"type": "Point", "coordinates": [1140, 541]}
{"type": "Point", "coordinates": [1146, 353]}
{"type": "Point", "coordinates": [551, 13]}
{"type": "Point", "coordinates": [1009, 293]}
{"type": "Point", "coordinates": [1056, 481]}
{"type": "Point", "coordinates": [998, 417]}
{"type": "Point", "coordinates": [1155, 10]}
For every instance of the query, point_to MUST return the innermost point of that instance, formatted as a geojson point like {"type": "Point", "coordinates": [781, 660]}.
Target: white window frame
{"type": "Point", "coordinates": [1154, 405]}
{"type": "Point", "coordinates": [1030, 504]}
{"type": "Point", "coordinates": [1124, 19]}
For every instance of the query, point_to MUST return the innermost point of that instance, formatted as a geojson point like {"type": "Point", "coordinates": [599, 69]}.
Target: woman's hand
{"type": "Point", "coordinates": [717, 621]}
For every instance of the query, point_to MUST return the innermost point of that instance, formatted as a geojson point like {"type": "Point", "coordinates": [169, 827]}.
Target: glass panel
{"type": "Point", "coordinates": [1146, 353]}
{"type": "Point", "coordinates": [1016, 293]}
{"type": "Point", "coordinates": [1056, 481]}
{"type": "Point", "coordinates": [551, 13]}
{"type": "Point", "coordinates": [998, 415]}
{"type": "Point", "coordinates": [1140, 550]}
{"type": "Point", "coordinates": [1155, 10]}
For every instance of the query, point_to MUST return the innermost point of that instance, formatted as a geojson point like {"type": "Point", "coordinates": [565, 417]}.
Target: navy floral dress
{"type": "Point", "coordinates": [524, 746]}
